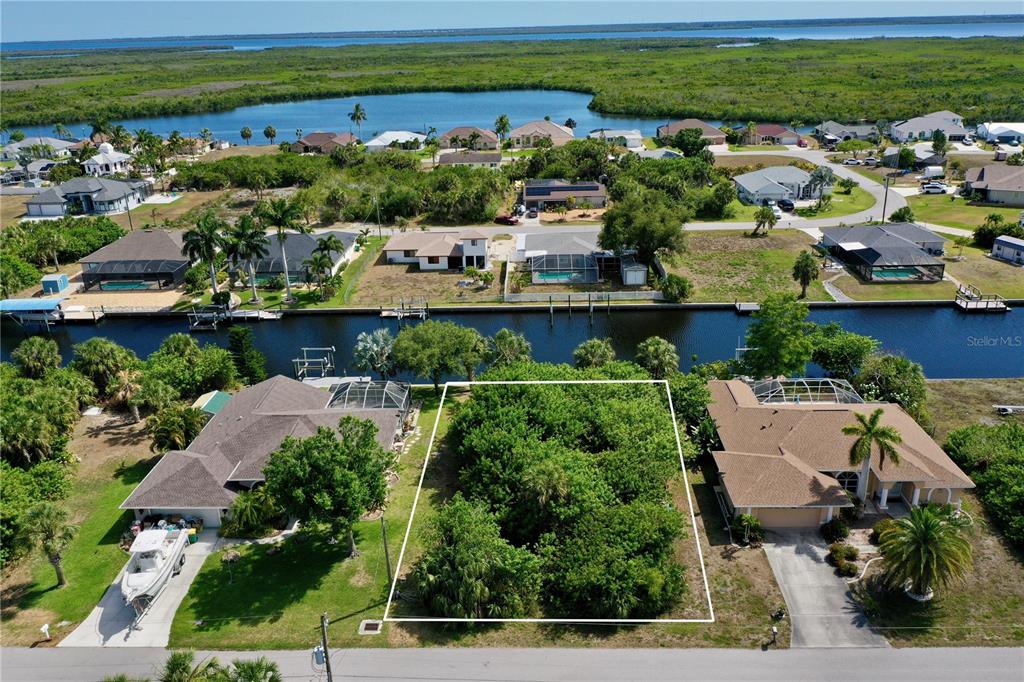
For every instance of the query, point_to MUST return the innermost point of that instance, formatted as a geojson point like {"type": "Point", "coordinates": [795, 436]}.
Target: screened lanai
{"type": "Point", "coordinates": [564, 268]}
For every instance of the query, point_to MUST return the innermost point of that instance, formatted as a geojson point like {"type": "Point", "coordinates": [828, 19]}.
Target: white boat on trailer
{"type": "Point", "coordinates": [156, 555]}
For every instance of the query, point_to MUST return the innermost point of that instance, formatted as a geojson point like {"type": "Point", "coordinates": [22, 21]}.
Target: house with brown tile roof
{"type": "Point", "coordinates": [323, 142]}
{"type": "Point", "coordinates": [435, 250]}
{"type": "Point", "coordinates": [772, 133]}
{"type": "Point", "coordinates": [786, 460]}
{"type": "Point", "coordinates": [707, 131]}
{"type": "Point", "coordinates": [529, 134]}
{"type": "Point", "coordinates": [486, 139]}
{"type": "Point", "coordinates": [228, 455]}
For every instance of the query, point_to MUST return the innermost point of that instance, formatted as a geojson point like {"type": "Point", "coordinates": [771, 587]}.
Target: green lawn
{"type": "Point", "coordinates": [736, 211]}
{"type": "Point", "coordinates": [726, 265]}
{"type": "Point", "coordinates": [922, 291]}
{"type": "Point", "coordinates": [758, 147]}
{"type": "Point", "coordinates": [274, 601]}
{"type": "Point", "coordinates": [842, 204]}
{"type": "Point", "coordinates": [942, 209]}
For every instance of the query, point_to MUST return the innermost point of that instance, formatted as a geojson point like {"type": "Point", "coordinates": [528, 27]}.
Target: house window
{"type": "Point", "coordinates": [472, 242]}
{"type": "Point", "coordinates": [409, 253]}
{"type": "Point", "coordinates": [433, 260]}
{"type": "Point", "coordinates": [848, 479]}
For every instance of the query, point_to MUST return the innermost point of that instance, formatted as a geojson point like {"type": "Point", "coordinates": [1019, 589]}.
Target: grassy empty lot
{"type": "Point", "coordinates": [12, 209]}
{"type": "Point", "coordinates": [988, 608]}
{"type": "Point", "coordinates": [114, 457]}
{"type": "Point", "coordinates": [990, 275]}
{"type": "Point", "coordinates": [753, 160]}
{"type": "Point", "coordinates": [239, 150]}
{"type": "Point", "coordinates": [943, 209]}
{"type": "Point", "coordinates": [384, 284]}
{"type": "Point", "coordinates": [169, 215]}
{"type": "Point", "coordinates": [757, 148]}
{"type": "Point", "coordinates": [727, 265]}
{"type": "Point", "coordinates": [842, 204]}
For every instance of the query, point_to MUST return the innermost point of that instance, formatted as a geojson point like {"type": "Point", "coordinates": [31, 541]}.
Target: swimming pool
{"type": "Point", "coordinates": [896, 273]}
{"type": "Point", "coordinates": [130, 285]}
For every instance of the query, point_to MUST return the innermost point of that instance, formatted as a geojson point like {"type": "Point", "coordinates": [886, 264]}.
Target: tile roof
{"type": "Point", "coordinates": [811, 434]}
{"type": "Point", "coordinates": [236, 442]}
{"type": "Point", "coordinates": [542, 127]}
{"type": "Point", "coordinates": [706, 129]}
{"type": "Point", "coordinates": [463, 133]}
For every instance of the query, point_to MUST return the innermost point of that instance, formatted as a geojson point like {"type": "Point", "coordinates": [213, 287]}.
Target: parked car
{"type": "Point", "coordinates": [767, 202]}
{"type": "Point", "coordinates": [778, 212]}
{"type": "Point", "coordinates": [507, 220]}
{"type": "Point", "coordinates": [532, 213]}
{"type": "Point", "coordinates": [851, 162]}
{"type": "Point", "coordinates": [801, 142]}
{"type": "Point", "coordinates": [1014, 143]}
{"type": "Point", "coordinates": [786, 205]}
{"type": "Point", "coordinates": [871, 161]}
{"type": "Point", "coordinates": [934, 188]}
{"type": "Point", "coordinates": [968, 141]}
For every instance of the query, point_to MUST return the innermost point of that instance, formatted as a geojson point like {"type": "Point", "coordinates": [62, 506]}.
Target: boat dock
{"type": "Point", "coordinates": [206, 318]}
{"type": "Point", "coordinates": [747, 308]}
{"type": "Point", "coordinates": [407, 309]}
{"type": "Point", "coordinates": [970, 300]}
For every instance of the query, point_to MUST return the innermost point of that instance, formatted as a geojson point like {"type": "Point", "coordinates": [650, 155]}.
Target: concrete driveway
{"type": "Point", "coordinates": [820, 606]}
{"type": "Point", "coordinates": [110, 623]}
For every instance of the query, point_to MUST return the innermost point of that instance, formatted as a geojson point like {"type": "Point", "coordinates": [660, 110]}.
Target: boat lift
{"type": "Point", "coordinates": [315, 363]}
{"type": "Point", "coordinates": [202, 318]}
{"type": "Point", "coordinates": [414, 308]}
{"type": "Point", "coordinates": [41, 311]}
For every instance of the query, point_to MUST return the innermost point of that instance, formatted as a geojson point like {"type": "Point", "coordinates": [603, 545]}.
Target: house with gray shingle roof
{"type": "Point", "coordinates": [923, 127]}
{"type": "Point", "coordinates": [832, 132]}
{"type": "Point", "coordinates": [53, 146]}
{"type": "Point", "coordinates": [890, 252]}
{"type": "Point", "coordinates": [776, 182]}
{"type": "Point", "coordinates": [93, 196]}
{"type": "Point", "coordinates": [998, 183]}
{"type": "Point", "coordinates": [229, 454]}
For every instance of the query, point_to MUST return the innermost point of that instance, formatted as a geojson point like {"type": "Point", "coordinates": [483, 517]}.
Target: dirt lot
{"type": "Point", "coordinates": [239, 150]}
{"type": "Point", "coordinates": [753, 160]}
{"type": "Point", "coordinates": [592, 215]}
{"type": "Point", "coordinates": [12, 208]}
{"type": "Point", "coordinates": [14, 86]}
{"type": "Point", "coordinates": [384, 284]}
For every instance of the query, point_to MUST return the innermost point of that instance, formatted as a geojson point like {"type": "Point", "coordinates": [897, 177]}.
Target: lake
{"type": "Point", "coordinates": [416, 111]}
{"type": "Point", "coordinates": [948, 344]}
{"type": "Point", "coordinates": [889, 29]}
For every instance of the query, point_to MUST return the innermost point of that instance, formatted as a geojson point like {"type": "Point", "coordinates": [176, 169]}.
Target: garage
{"type": "Point", "coordinates": [775, 518]}
{"type": "Point", "coordinates": [211, 518]}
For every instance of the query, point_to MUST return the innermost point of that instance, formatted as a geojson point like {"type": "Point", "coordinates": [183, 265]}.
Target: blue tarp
{"type": "Point", "coordinates": [30, 305]}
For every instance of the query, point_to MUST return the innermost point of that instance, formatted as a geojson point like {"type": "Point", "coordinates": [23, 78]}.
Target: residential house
{"type": "Point", "coordinates": [923, 156]}
{"type": "Point", "coordinates": [630, 139]}
{"type": "Point", "coordinates": [196, 146]}
{"type": "Point", "coordinates": [87, 195]}
{"type": "Point", "coordinates": [776, 182]}
{"type": "Point", "coordinates": [471, 159]}
{"type": "Point", "coordinates": [923, 127]}
{"type": "Point", "coordinates": [707, 131]}
{"type": "Point", "coordinates": [831, 132]}
{"type": "Point", "coordinates": [37, 147]}
{"type": "Point", "coordinates": [1001, 132]}
{"type": "Point", "coordinates": [997, 183]}
{"type": "Point", "coordinates": [890, 252]}
{"type": "Point", "coordinates": [439, 250]}
{"type": "Point", "coordinates": [785, 459]}
{"type": "Point", "coordinates": [529, 134]}
{"type": "Point", "coordinates": [298, 248]}
{"type": "Point", "coordinates": [657, 154]}
{"type": "Point", "coordinates": [107, 162]}
{"type": "Point", "coordinates": [143, 259]}
{"type": "Point", "coordinates": [545, 194]}
{"type": "Point", "coordinates": [39, 169]}
{"type": "Point", "coordinates": [458, 138]}
{"type": "Point", "coordinates": [323, 142]}
{"type": "Point", "coordinates": [229, 454]}
{"type": "Point", "coordinates": [771, 133]}
{"type": "Point", "coordinates": [13, 175]}
{"type": "Point", "coordinates": [1009, 248]}
{"type": "Point", "coordinates": [396, 139]}
{"type": "Point", "coordinates": [572, 258]}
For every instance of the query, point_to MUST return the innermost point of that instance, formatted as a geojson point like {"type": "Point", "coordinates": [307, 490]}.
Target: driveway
{"type": "Point", "coordinates": [821, 608]}
{"type": "Point", "coordinates": [110, 623]}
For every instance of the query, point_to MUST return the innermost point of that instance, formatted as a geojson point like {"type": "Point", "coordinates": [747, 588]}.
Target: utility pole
{"type": "Point", "coordinates": [387, 554]}
{"type": "Point", "coordinates": [323, 643]}
{"type": "Point", "coordinates": [885, 197]}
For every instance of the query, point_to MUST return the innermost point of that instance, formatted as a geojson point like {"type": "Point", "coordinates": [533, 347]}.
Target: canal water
{"type": "Point", "coordinates": [947, 343]}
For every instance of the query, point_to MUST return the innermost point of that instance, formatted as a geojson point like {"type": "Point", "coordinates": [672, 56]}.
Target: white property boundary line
{"type": "Point", "coordinates": [423, 473]}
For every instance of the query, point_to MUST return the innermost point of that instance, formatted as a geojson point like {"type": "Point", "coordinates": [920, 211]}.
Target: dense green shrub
{"type": "Point", "coordinates": [16, 274]}
{"type": "Point", "coordinates": [249, 362]}
{"type": "Point", "coordinates": [78, 237]}
{"type": "Point", "coordinates": [993, 456]}
{"type": "Point", "coordinates": [847, 569]}
{"type": "Point", "coordinates": [675, 288]}
{"type": "Point", "coordinates": [879, 528]}
{"type": "Point", "coordinates": [190, 369]}
{"type": "Point", "coordinates": [835, 530]}
{"type": "Point", "coordinates": [839, 552]}
{"type": "Point", "coordinates": [746, 528]}
{"type": "Point", "coordinates": [19, 490]}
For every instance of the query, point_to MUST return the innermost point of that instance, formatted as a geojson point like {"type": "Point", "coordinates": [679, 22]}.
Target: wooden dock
{"type": "Point", "coordinates": [970, 300]}
{"type": "Point", "coordinates": [747, 308]}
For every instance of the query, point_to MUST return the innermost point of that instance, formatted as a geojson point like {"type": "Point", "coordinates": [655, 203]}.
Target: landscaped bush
{"type": "Point", "coordinates": [16, 274]}
{"type": "Point", "coordinates": [221, 298]}
{"type": "Point", "coordinates": [746, 528]}
{"type": "Point", "coordinates": [675, 288]}
{"type": "Point", "coordinates": [847, 569]}
{"type": "Point", "coordinates": [275, 283]}
{"type": "Point", "coordinates": [851, 514]}
{"type": "Point", "coordinates": [839, 552]}
{"type": "Point", "coordinates": [879, 528]}
{"type": "Point", "coordinates": [835, 530]}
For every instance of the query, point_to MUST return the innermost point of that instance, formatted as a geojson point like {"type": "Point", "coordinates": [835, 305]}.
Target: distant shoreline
{"type": "Point", "coordinates": [20, 46]}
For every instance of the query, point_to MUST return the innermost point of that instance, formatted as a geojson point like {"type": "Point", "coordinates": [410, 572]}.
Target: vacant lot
{"type": "Point", "coordinates": [842, 204]}
{"type": "Point", "coordinates": [12, 209]}
{"type": "Point", "coordinates": [114, 457]}
{"type": "Point", "coordinates": [990, 275]}
{"type": "Point", "coordinates": [755, 160]}
{"type": "Point", "coordinates": [988, 608]}
{"type": "Point", "coordinates": [727, 266]}
{"type": "Point", "coordinates": [239, 150]}
{"type": "Point", "coordinates": [180, 213]}
{"type": "Point", "coordinates": [944, 209]}
{"type": "Point", "coordinates": [388, 285]}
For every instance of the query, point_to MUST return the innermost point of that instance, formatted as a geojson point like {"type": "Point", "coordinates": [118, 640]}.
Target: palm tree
{"type": "Point", "coordinates": [502, 126]}
{"type": "Point", "coordinates": [870, 432]}
{"type": "Point", "coordinates": [282, 215]}
{"type": "Point", "coordinates": [318, 263]}
{"type": "Point", "coordinates": [472, 139]}
{"type": "Point", "coordinates": [125, 388]}
{"type": "Point", "coordinates": [246, 241]}
{"type": "Point", "coordinates": [203, 241]}
{"type": "Point", "coordinates": [120, 138]}
{"type": "Point", "coordinates": [961, 242]}
{"type": "Point", "coordinates": [455, 142]}
{"type": "Point", "coordinates": [373, 352]}
{"type": "Point", "coordinates": [206, 134]}
{"type": "Point", "coordinates": [100, 127]}
{"type": "Point", "coordinates": [764, 217]}
{"type": "Point", "coordinates": [48, 527]}
{"type": "Point", "coordinates": [50, 240]}
{"type": "Point", "coordinates": [432, 146]}
{"type": "Point", "coordinates": [545, 482]}
{"type": "Point", "coordinates": [570, 123]}
{"type": "Point", "coordinates": [805, 271]}
{"type": "Point", "coordinates": [246, 134]}
{"type": "Point", "coordinates": [174, 427]}
{"type": "Point", "coordinates": [175, 142]}
{"type": "Point", "coordinates": [259, 670]}
{"type": "Point", "coordinates": [751, 132]}
{"type": "Point", "coordinates": [924, 551]}
{"type": "Point", "coordinates": [61, 131]}
{"type": "Point", "coordinates": [181, 667]}
{"type": "Point", "coordinates": [357, 116]}
{"type": "Point", "coordinates": [330, 244]}
{"type": "Point", "coordinates": [270, 132]}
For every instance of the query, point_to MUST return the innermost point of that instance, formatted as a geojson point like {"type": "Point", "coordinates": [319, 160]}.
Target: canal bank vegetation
{"type": "Point", "coordinates": [844, 80]}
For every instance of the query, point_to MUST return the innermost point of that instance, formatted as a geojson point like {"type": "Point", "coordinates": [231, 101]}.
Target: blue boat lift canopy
{"type": "Point", "coordinates": [31, 305]}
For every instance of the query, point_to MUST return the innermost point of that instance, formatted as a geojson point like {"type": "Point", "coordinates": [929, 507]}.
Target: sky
{"type": "Point", "coordinates": [89, 19]}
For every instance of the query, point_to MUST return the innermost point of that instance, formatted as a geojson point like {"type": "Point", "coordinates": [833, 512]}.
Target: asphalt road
{"type": "Point", "coordinates": [556, 665]}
